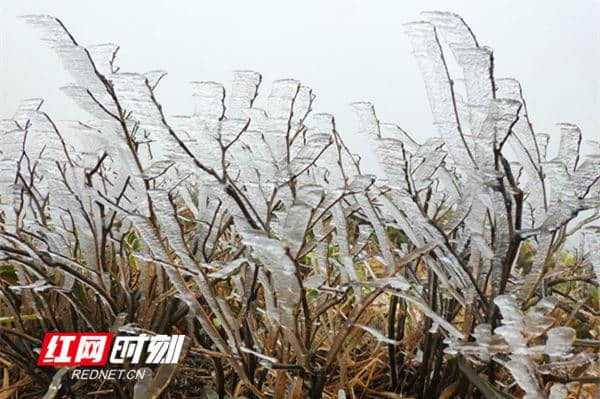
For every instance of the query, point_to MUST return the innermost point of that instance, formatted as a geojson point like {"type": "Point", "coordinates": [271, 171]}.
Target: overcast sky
{"type": "Point", "coordinates": [346, 50]}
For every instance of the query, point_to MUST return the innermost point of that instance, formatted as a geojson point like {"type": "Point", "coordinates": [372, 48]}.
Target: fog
{"type": "Point", "coordinates": [346, 50]}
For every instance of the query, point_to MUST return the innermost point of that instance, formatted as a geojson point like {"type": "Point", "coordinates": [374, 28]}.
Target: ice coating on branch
{"type": "Point", "coordinates": [559, 342]}
{"type": "Point", "coordinates": [441, 96]}
{"type": "Point", "coordinates": [56, 383]}
{"type": "Point", "coordinates": [568, 150]}
{"type": "Point", "coordinates": [592, 241]}
{"type": "Point", "coordinates": [379, 336]}
{"type": "Point", "coordinates": [558, 391]}
{"type": "Point", "coordinates": [209, 97]}
{"type": "Point", "coordinates": [243, 92]}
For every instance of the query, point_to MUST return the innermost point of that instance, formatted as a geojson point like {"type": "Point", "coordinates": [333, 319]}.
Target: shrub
{"type": "Point", "coordinates": [254, 232]}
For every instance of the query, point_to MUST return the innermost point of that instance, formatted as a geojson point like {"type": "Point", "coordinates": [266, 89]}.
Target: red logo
{"type": "Point", "coordinates": [75, 349]}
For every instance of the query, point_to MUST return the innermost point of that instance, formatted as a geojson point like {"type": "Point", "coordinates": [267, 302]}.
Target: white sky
{"type": "Point", "coordinates": [346, 50]}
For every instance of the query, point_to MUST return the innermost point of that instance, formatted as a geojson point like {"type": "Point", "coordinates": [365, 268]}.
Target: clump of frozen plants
{"type": "Point", "coordinates": [470, 269]}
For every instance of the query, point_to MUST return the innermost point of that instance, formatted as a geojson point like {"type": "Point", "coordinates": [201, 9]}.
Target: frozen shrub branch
{"type": "Point", "coordinates": [254, 231]}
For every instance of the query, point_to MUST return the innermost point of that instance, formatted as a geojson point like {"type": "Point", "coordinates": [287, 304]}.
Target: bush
{"type": "Point", "coordinates": [254, 232]}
